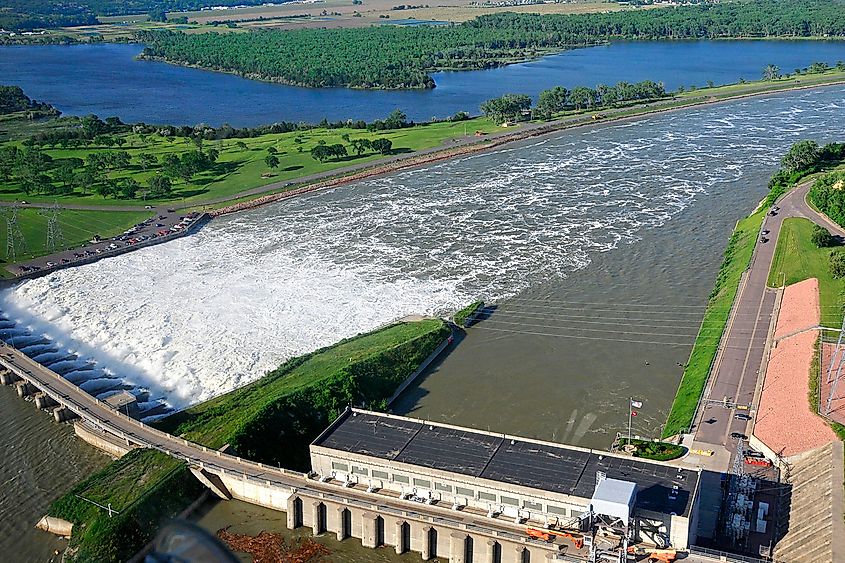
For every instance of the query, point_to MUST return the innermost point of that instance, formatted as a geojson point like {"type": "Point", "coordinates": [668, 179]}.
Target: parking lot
{"type": "Point", "coordinates": [163, 225]}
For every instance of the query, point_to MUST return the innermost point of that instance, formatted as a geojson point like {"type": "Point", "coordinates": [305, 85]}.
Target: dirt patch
{"type": "Point", "coordinates": [784, 421]}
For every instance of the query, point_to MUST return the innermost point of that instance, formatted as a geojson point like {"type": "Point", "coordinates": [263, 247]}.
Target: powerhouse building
{"type": "Point", "coordinates": [530, 480]}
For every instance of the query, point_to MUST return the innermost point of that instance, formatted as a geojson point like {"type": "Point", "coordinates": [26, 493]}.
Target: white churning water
{"type": "Point", "coordinates": [202, 315]}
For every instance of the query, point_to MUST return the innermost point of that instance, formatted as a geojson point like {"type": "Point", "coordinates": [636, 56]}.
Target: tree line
{"type": "Point", "coordinates": [517, 107]}
{"type": "Point", "coordinates": [404, 56]}
{"type": "Point", "coordinates": [36, 172]}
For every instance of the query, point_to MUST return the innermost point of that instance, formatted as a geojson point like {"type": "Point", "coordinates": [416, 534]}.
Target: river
{"type": "Point", "coordinates": [599, 247]}
{"type": "Point", "coordinates": [106, 80]}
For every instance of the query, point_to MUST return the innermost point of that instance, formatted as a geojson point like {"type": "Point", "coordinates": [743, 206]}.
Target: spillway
{"type": "Point", "coordinates": [205, 314]}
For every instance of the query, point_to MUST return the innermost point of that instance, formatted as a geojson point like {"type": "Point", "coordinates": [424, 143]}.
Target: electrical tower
{"type": "Point", "coordinates": [55, 237]}
{"type": "Point", "coordinates": [15, 243]}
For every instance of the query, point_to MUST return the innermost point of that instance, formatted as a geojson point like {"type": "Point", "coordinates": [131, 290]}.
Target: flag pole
{"type": "Point", "coordinates": [630, 416]}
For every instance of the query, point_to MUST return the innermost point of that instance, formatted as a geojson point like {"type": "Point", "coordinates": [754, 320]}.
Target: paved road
{"type": "Point", "coordinates": [737, 373]}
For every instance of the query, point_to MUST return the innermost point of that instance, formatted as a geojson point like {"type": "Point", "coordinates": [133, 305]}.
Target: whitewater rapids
{"type": "Point", "coordinates": [205, 314]}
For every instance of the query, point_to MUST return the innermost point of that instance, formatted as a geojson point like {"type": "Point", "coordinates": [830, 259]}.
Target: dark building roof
{"type": "Point", "coordinates": [548, 467]}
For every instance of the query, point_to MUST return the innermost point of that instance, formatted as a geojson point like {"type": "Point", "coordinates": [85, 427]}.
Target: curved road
{"type": "Point", "coordinates": [736, 373]}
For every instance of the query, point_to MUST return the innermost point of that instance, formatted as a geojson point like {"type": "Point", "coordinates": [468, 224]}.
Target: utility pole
{"type": "Point", "coordinates": [15, 243]}
{"type": "Point", "coordinates": [55, 238]}
{"type": "Point", "coordinates": [630, 417]}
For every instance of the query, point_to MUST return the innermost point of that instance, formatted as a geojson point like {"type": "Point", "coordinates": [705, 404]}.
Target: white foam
{"type": "Point", "coordinates": [202, 315]}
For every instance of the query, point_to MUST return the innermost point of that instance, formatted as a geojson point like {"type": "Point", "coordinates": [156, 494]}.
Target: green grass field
{"type": "Point", "coordinates": [737, 257]}
{"type": "Point", "coordinates": [241, 165]}
{"type": "Point", "coordinates": [797, 259]}
{"type": "Point", "coordinates": [77, 228]}
{"type": "Point", "coordinates": [146, 487]}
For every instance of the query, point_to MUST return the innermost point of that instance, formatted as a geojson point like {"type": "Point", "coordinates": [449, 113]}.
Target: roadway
{"type": "Point", "coordinates": [737, 371]}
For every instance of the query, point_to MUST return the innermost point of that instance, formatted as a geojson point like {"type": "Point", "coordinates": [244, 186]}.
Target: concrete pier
{"type": "Point", "coordinates": [43, 401]}
{"type": "Point", "coordinates": [64, 414]}
{"type": "Point", "coordinates": [25, 388]}
{"type": "Point", "coordinates": [8, 378]}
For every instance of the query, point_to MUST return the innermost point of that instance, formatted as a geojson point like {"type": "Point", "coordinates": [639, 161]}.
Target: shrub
{"type": "Point", "coordinates": [821, 237]}
{"type": "Point", "coordinates": [837, 263]}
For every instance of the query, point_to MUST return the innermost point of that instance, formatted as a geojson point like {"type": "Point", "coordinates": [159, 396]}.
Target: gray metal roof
{"type": "Point", "coordinates": [547, 467]}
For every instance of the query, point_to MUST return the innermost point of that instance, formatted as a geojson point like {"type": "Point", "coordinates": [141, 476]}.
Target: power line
{"type": "Point", "coordinates": [15, 241]}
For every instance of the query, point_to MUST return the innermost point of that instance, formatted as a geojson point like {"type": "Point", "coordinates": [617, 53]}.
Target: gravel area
{"type": "Point", "coordinates": [784, 420]}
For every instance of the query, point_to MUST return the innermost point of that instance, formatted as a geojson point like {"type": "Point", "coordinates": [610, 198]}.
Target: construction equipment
{"type": "Point", "coordinates": [549, 535]}
{"type": "Point", "coordinates": [655, 555]}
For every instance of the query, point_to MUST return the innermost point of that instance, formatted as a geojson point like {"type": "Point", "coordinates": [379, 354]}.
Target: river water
{"type": "Point", "coordinates": [106, 80]}
{"type": "Point", "coordinates": [599, 247]}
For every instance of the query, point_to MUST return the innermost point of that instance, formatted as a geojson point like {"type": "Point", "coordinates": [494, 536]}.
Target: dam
{"type": "Point", "coordinates": [379, 478]}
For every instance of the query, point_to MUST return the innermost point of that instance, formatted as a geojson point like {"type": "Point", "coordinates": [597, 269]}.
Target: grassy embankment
{"type": "Point", "coordinates": [271, 420]}
{"type": "Point", "coordinates": [460, 318]}
{"type": "Point", "coordinates": [147, 488]}
{"type": "Point", "coordinates": [797, 259]}
{"type": "Point", "coordinates": [275, 418]}
{"type": "Point", "coordinates": [737, 257]}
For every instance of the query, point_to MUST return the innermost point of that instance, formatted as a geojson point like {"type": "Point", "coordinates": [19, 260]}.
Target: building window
{"type": "Point", "coordinates": [552, 509]}
{"type": "Point", "coordinates": [486, 496]}
{"type": "Point", "coordinates": [379, 474]}
{"type": "Point", "coordinates": [465, 492]}
{"type": "Point", "coordinates": [422, 483]}
{"type": "Point", "coordinates": [339, 466]}
{"type": "Point", "coordinates": [360, 470]}
{"type": "Point", "coordinates": [509, 500]}
{"type": "Point", "coordinates": [532, 505]}
{"type": "Point", "coordinates": [401, 479]}
{"type": "Point", "coordinates": [442, 487]}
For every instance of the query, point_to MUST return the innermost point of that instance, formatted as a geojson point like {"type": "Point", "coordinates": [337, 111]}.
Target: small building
{"type": "Point", "coordinates": [530, 480]}
{"type": "Point", "coordinates": [124, 402]}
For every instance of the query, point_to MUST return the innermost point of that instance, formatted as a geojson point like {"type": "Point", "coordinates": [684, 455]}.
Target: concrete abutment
{"type": "Point", "coordinates": [377, 526]}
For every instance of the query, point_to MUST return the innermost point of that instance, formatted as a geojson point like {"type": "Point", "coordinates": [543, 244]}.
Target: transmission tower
{"type": "Point", "coordinates": [15, 243]}
{"type": "Point", "coordinates": [55, 238]}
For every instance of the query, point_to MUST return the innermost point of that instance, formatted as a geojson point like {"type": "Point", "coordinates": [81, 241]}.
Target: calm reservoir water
{"type": "Point", "coordinates": [106, 80]}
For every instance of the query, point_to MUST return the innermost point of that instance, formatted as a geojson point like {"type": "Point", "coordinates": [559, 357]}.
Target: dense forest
{"type": "Point", "coordinates": [18, 15]}
{"type": "Point", "coordinates": [403, 57]}
{"type": "Point", "coordinates": [13, 99]}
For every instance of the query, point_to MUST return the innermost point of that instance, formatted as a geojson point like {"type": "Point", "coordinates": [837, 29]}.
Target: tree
{"type": "Point", "coordinates": [272, 150]}
{"type": "Point", "coordinates": [396, 120]}
{"type": "Point", "coordinates": [509, 107]}
{"type": "Point", "coordinates": [582, 97]}
{"type": "Point", "coordinates": [271, 160]}
{"type": "Point", "coordinates": [160, 186]}
{"type": "Point", "coordinates": [771, 72]}
{"type": "Point", "coordinates": [801, 156]}
{"type": "Point", "coordinates": [837, 263]}
{"type": "Point", "coordinates": [320, 152]}
{"type": "Point", "coordinates": [550, 102]}
{"type": "Point", "coordinates": [382, 145]}
{"type": "Point", "coordinates": [146, 160]}
{"type": "Point", "coordinates": [361, 145]}
{"type": "Point", "coordinates": [821, 237]}
{"type": "Point", "coordinates": [129, 188]}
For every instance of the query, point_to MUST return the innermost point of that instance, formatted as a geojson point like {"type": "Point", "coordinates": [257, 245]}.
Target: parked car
{"type": "Point", "coordinates": [738, 436]}
{"type": "Point", "coordinates": [742, 416]}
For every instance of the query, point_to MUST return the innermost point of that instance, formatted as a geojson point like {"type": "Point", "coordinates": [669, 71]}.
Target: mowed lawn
{"type": "Point", "coordinates": [797, 259]}
{"type": "Point", "coordinates": [241, 162]}
{"type": "Point", "coordinates": [77, 227]}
